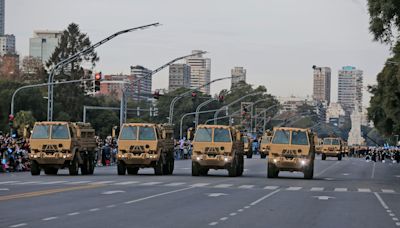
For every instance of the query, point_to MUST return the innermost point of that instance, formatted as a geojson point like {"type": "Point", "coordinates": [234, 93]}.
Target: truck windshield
{"type": "Point", "coordinates": [327, 141]}
{"type": "Point", "coordinates": [335, 142]}
{"type": "Point", "coordinates": [128, 133]}
{"type": "Point", "coordinates": [281, 137]}
{"type": "Point", "coordinates": [222, 135]}
{"type": "Point", "coordinates": [299, 138]}
{"type": "Point", "coordinates": [59, 132]}
{"type": "Point", "coordinates": [147, 133]}
{"type": "Point", "coordinates": [203, 135]}
{"type": "Point", "coordinates": [40, 132]}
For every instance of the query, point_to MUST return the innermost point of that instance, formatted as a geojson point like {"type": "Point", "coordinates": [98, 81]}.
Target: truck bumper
{"type": "Point", "coordinates": [331, 153]}
{"type": "Point", "coordinates": [217, 162]}
{"type": "Point", "coordinates": [144, 159]}
{"type": "Point", "coordinates": [295, 164]}
{"type": "Point", "coordinates": [57, 158]}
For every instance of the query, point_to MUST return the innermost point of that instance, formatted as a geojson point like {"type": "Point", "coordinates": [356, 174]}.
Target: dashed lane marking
{"type": "Point", "coordinates": [293, 188]}
{"type": "Point", "coordinates": [102, 182]}
{"type": "Point", "coordinates": [388, 191]}
{"type": "Point", "coordinates": [264, 197]}
{"type": "Point", "coordinates": [213, 223]}
{"type": "Point", "coordinates": [340, 189]}
{"type": "Point", "coordinates": [397, 223]}
{"type": "Point", "coordinates": [384, 205]}
{"type": "Point", "coordinates": [175, 184]}
{"type": "Point", "coordinates": [18, 225]}
{"type": "Point", "coordinates": [271, 187]}
{"type": "Point", "coordinates": [53, 182]}
{"type": "Point", "coordinates": [49, 218]}
{"type": "Point", "coordinates": [127, 182]}
{"type": "Point", "coordinates": [364, 190]}
{"type": "Point", "coordinates": [28, 182]}
{"type": "Point", "coordinates": [200, 184]}
{"type": "Point", "coordinates": [77, 182]}
{"type": "Point", "coordinates": [223, 218]}
{"type": "Point", "coordinates": [94, 209]}
{"type": "Point", "coordinates": [4, 189]}
{"type": "Point", "coordinates": [151, 183]}
{"type": "Point", "coordinates": [157, 195]}
{"type": "Point", "coordinates": [223, 185]}
{"type": "Point", "coordinates": [112, 192]}
{"type": "Point", "coordinates": [317, 189]}
{"type": "Point", "coordinates": [233, 214]}
{"type": "Point", "coordinates": [246, 186]}
{"type": "Point", "coordinates": [8, 182]}
{"type": "Point", "coordinates": [73, 214]}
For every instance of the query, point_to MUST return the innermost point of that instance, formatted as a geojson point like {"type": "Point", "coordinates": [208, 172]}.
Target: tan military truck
{"type": "Point", "coordinates": [265, 144]}
{"type": "Point", "coordinates": [291, 149]}
{"type": "Point", "coordinates": [248, 148]}
{"type": "Point", "coordinates": [318, 146]}
{"type": "Point", "coordinates": [332, 147]}
{"type": "Point", "coordinates": [145, 145]}
{"type": "Point", "coordinates": [217, 147]}
{"type": "Point", "coordinates": [57, 145]}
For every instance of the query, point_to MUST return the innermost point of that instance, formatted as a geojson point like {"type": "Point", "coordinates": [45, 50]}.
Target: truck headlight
{"type": "Point", "coordinates": [198, 158]}
{"type": "Point", "coordinates": [302, 162]}
{"type": "Point", "coordinates": [275, 161]}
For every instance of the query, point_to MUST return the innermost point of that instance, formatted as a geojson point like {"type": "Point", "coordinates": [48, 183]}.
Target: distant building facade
{"type": "Point", "coordinates": [200, 71]}
{"type": "Point", "coordinates": [335, 114]}
{"type": "Point", "coordinates": [179, 76]}
{"type": "Point", "coordinates": [322, 84]}
{"type": "Point", "coordinates": [9, 66]}
{"type": "Point", "coordinates": [238, 74]}
{"type": "Point", "coordinates": [350, 88]}
{"type": "Point", "coordinates": [110, 85]}
{"type": "Point", "coordinates": [43, 43]}
{"type": "Point", "coordinates": [2, 17]}
{"type": "Point", "coordinates": [7, 44]}
{"type": "Point", "coordinates": [142, 89]}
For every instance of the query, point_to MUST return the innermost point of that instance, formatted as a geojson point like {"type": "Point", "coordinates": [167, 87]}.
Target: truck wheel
{"type": "Point", "coordinates": [203, 171]}
{"type": "Point", "coordinates": [50, 171]}
{"type": "Point", "coordinates": [233, 169]}
{"type": "Point", "coordinates": [339, 157]}
{"type": "Point", "coordinates": [195, 169]}
{"type": "Point", "coordinates": [309, 171]}
{"type": "Point", "coordinates": [323, 156]}
{"type": "Point", "coordinates": [85, 166]}
{"type": "Point", "coordinates": [74, 167]}
{"type": "Point", "coordinates": [171, 166]}
{"type": "Point", "coordinates": [240, 167]}
{"type": "Point", "coordinates": [121, 169]}
{"type": "Point", "coordinates": [272, 171]}
{"type": "Point", "coordinates": [35, 168]}
{"type": "Point", "coordinates": [158, 169]}
{"type": "Point", "coordinates": [91, 166]}
{"type": "Point", "coordinates": [249, 154]}
{"type": "Point", "coordinates": [132, 170]}
{"type": "Point", "coordinates": [262, 155]}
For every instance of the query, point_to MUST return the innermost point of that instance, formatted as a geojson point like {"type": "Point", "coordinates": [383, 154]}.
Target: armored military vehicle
{"type": "Point", "coordinates": [146, 145]}
{"type": "Point", "coordinates": [332, 147]}
{"type": "Point", "coordinates": [265, 144]}
{"type": "Point", "coordinates": [56, 145]}
{"type": "Point", "coordinates": [291, 149]}
{"type": "Point", "coordinates": [217, 147]}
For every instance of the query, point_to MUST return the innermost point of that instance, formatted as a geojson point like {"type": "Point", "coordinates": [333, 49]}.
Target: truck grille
{"type": "Point", "coordinates": [289, 154]}
{"type": "Point", "coordinates": [49, 148]}
{"type": "Point", "coordinates": [136, 149]}
{"type": "Point", "coordinates": [214, 150]}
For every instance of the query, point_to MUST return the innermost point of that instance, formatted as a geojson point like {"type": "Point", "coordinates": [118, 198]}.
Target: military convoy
{"type": "Point", "coordinates": [291, 149]}
{"type": "Point", "coordinates": [217, 147]}
{"type": "Point", "coordinates": [265, 144]}
{"type": "Point", "coordinates": [145, 145]}
{"type": "Point", "coordinates": [57, 145]}
{"type": "Point", "coordinates": [332, 147]}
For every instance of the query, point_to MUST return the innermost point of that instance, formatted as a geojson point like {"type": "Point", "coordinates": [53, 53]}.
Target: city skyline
{"type": "Point", "coordinates": [261, 40]}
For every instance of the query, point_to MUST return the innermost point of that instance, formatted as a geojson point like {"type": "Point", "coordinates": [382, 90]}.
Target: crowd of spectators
{"type": "Point", "coordinates": [14, 154]}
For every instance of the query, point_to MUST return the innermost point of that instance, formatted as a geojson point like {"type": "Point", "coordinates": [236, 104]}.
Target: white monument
{"type": "Point", "coordinates": [355, 137]}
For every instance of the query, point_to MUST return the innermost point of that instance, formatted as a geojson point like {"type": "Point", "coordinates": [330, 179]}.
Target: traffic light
{"type": "Point", "coordinates": [194, 95]}
{"type": "Point", "coordinates": [11, 120]}
{"type": "Point", "coordinates": [221, 98]}
{"type": "Point", "coordinates": [97, 79]}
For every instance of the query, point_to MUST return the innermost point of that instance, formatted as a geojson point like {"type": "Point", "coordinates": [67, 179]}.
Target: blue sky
{"type": "Point", "coordinates": [277, 41]}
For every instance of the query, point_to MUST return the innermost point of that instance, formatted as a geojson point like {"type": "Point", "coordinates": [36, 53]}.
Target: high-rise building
{"type": "Point", "coordinates": [179, 76]}
{"type": "Point", "coordinates": [350, 89]}
{"type": "Point", "coordinates": [7, 44]}
{"type": "Point", "coordinates": [322, 84]}
{"type": "Point", "coordinates": [109, 86]}
{"type": "Point", "coordinates": [239, 74]}
{"type": "Point", "coordinates": [9, 66]}
{"type": "Point", "coordinates": [43, 44]}
{"type": "Point", "coordinates": [2, 17]}
{"type": "Point", "coordinates": [200, 71]}
{"type": "Point", "coordinates": [142, 89]}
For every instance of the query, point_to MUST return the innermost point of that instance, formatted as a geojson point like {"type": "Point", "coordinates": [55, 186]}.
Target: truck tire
{"type": "Point", "coordinates": [35, 168]}
{"type": "Point", "coordinates": [323, 156]}
{"type": "Point", "coordinates": [339, 157]}
{"type": "Point", "coordinates": [121, 169]}
{"type": "Point", "coordinates": [171, 166]}
{"type": "Point", "coordinates": [233, 169]}
{"type": "Point", "coordinates": [50, 171]}
{"type": "Point", "coordinates": [240, 166]}
{"type": "Point", "coordinates": [309, 171]}
{"type": "Point", "coordinates": [262, 155]}
{"type": "Point", "coordinates": [168, 167]}
{"type": "Point", "coordinates": [195, 169]}
{"type": "Point", "coordinates": [203, 171]}
{"type": "Point", "coordinates": [85, 166]}
{"type": "Point", "coordinates": [272, 171]}
{"type": "Point", "coordinates": [91, 166]}
{"type": "Point", "coordinates": [132, 170]}
{"type": "Point", "coordinates": [74, 167]}
{"type": "Point", "coordinates": [159, 168]}
{"type": "Point", "coordinates": [249, 154]}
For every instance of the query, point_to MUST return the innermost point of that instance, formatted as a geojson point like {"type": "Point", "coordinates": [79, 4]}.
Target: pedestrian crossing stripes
{"type": "Point", "coordinates": [201, 184]}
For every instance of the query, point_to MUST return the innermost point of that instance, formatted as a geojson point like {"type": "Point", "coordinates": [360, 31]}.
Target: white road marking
{"type": "Point", "coordinates": [126, 182]}
{"type": "Point", "coordinates": [316, 189]}
{"type": "Point", "coordinates": [340, 189]}
{"type": "Point", "coordinates": [216, 194]}
{"type": "Point", "coordinates": [388, 191]}
{"type": "Point", "coordinates": [28, 182]}
{"type": "Point", "coordinates": [264, 197]}
{"type": "Point", "coordinates": [223, 218]}
{"type": "Point", "coordinates": [4, 189]}
{"type": "Point", "coordinates": [102, 182]}
{"type": "Point", "coordinates": [395, 219]}
{"type": "Point", "coordinates": [18, 225]}
{"type": "Point", "coordinates": [73, 213]}
{"type": "Point", "coordinates": [398, 176]}
{"type": "Point", "coordinates": [78, 182]}
{"type": "Point", "coordinates": [326, 169]}
{"type": "Point", "coordinates": [384, 205]}
{"type": "Point", "coordinates": [175, 184]}
{"type": "Point", "coordinates": [246, 186]}
{"type": "Point", "coordinates": [373, 171]}
{"type": "Point", "coordinates": [391, 215]}
{"type": "Point", "coordinates": [293, 188]}
{"type": "Point", "coordinates": [240, 210]}
{"type": "Point", "coordinates": [271, 187]}
{"type": "Point", "coordinates": [397, 223]}
{"type": "Point", "coordinates": [49, 218]}
{"type": "Point", "coordinates": [213, 223]}
{"type": "Point", "coordinates": [111, 206]}
{"type": "Point", "coordinates": [200, 184]}
{"type": "Point", "coordinates": [151, 183]}
{"type": "Point", "coordinates": [389, 211]}
{"type": "Point", "coordinates": [53, 182]}
{"type": "Point", "coordinates": [364, 190]}
{"type": "Point", "coordinates": [345, 174]}
{"type": "Point", "coordinates": [328, 179]}
{"type": "Point", "coordinates": [112, 192]}
{"type": "Point", "coordinates": [157, 195]}
{"type": "Point", "coordinates": [324, 197]}
{"type": "Point", "coordinates": [94, 209]}
{"type": "Point", "coordinates": [233, 214]}
{"type": "Point", "coordinates": [223, 185]}
{"type": "Point", "coordinates": [247, 207]}
{"type": "Point", "coordinates": [8, 182]}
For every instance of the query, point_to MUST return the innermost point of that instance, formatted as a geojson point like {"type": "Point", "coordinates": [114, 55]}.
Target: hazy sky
{"type": "Point", "coordinates": [277, 41]}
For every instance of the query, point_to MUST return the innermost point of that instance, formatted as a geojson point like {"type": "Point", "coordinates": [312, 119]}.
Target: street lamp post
{"type": "Point", "coordinates": [77, 55]}
{"type": "Point", "coordinates": [197, 113]}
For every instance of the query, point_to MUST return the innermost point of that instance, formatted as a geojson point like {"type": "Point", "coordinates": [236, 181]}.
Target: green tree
{"type": "Point", "coordinates": [384, 19]}
{"type": "Point", "coordinates": [70, 98]}
{"type": "Point", "coordinates": [23, 119]}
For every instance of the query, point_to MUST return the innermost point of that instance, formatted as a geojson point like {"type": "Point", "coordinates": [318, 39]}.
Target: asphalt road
{"type": "Point", "coordinates": [347, 193]}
